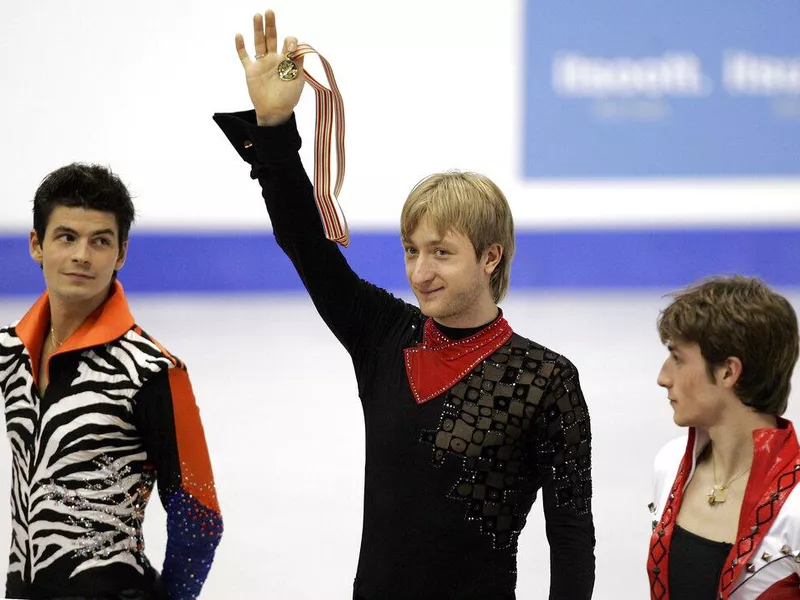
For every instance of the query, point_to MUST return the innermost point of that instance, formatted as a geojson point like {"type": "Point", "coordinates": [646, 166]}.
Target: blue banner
{"type": "Point", "coordinates": [185, 263]}
{"type": "Point", "coordinates": [645, 88]}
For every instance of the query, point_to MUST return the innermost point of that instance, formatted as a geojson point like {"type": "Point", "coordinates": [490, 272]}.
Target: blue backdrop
{"type": "Point", "coordinates": [629, 88]}
{"type": "Point", "coordinates": [219, 262]}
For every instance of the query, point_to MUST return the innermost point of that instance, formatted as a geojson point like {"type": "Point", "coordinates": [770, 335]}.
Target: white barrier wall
{"type": "Point", "coordinates": [427, 86]}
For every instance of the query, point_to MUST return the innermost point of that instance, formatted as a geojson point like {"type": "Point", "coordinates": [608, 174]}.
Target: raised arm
{"type": "Point", "coordinates": [266, 137]}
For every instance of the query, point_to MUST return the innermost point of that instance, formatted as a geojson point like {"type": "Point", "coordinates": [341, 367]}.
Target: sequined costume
{"type": "Point", "coordinates": [449, 480]}
{"type": "Point", "coordinates": [118, 415]}
{"type": "Point", "coordinates": [764, 561]}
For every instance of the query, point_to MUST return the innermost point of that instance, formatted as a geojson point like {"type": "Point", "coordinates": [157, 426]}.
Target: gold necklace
{"type": "Point", "coordinates": [56, 343]}
{"type": "Point", "coordinates": [717, 495]}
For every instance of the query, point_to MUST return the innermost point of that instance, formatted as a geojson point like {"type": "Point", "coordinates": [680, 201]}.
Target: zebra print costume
{"type": "Point", "coordinates": [117, 416]}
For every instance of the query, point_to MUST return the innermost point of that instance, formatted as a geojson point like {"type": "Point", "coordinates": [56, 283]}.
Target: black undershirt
{"type": "Point", "coordinates": [695, 565]}
{"type": "Point", "coordinates": [459, 333]}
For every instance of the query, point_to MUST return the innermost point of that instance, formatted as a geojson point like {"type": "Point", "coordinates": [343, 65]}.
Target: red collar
{"type": "Point", "coordinates": [437, 363]}
{"type": "Point", "coordinates": [774, 474]}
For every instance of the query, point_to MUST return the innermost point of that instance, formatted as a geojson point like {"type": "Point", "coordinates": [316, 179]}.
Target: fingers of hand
{"type": "Point", "coordinates": [272, 32]}
{"type": "Point", "coordinates": [241, 50]}
{"type": "Point", "coordinates": [265, 39]}
{"type": "Point", "coordinates": [258, 35]}
{"type": "Point", "coordinates": [289, 45]}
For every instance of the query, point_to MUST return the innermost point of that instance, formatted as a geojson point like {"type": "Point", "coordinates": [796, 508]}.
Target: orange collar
{"type": "Point", "coordinates": [110, 321]}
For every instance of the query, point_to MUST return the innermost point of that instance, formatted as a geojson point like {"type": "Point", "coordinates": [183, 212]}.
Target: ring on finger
{"type": "Point", "coordinates": [260, 55]}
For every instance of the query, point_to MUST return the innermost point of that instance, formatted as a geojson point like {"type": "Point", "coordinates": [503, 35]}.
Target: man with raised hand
{"type": "Point", "coordinates": [466, 420]}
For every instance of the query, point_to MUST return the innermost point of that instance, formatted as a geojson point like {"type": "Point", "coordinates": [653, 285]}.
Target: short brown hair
{"type": "Point", "coordinates": [467, 203]}
{"type": "Point", "coordinates": [742, 317]}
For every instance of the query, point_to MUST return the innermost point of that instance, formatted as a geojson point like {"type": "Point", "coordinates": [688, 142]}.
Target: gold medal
{"type": "Point", "coordinates": [287, 70]}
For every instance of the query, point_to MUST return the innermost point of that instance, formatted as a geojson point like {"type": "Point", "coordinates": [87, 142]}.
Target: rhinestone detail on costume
{"type": "Point", "coordinates": [516, 419]}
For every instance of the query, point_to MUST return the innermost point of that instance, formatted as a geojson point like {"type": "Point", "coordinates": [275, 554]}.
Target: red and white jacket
{"type": "Point", "coordinates": [764, 562]}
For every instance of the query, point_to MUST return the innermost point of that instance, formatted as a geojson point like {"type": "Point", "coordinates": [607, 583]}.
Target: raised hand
{"type": "Point", "coordinates": [273, 98]}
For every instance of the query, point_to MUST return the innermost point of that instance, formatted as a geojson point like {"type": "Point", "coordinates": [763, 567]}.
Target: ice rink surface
{"type": "Point", "coordinates": [285, 430]}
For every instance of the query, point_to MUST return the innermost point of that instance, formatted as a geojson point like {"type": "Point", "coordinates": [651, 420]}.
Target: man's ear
{"type": "Point", "coordinates": [492, 257]}
{"type": "Point", "coordinates": [123, 254]}
{"type": "Point", "coordinates": [730, 371]}
{"type": "Point", "coordinates": [35, 247]}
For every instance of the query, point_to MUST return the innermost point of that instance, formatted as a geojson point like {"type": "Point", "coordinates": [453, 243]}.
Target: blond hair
{"type": "Point", "coordinates": [467, 203]}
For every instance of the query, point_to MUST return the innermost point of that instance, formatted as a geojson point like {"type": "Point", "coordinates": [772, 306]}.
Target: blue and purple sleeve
{"type": "Point", "coordinates": [177, 447]}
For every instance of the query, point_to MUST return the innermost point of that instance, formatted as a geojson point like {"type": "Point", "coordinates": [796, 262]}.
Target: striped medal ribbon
{"type": "Point", "coordinates": [330, 116]}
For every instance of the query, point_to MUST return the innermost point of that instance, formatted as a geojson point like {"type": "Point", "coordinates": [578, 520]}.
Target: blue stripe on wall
{"type": "Point", "coordinates": [246, 262]}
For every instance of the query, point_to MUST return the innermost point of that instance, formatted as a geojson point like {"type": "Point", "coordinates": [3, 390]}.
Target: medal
{"type": "Point", "coordinates": [287, 70]}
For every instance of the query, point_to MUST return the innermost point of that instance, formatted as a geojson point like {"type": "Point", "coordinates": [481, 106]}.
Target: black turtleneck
{"type": "Point", "coordinates": [459, 333]}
